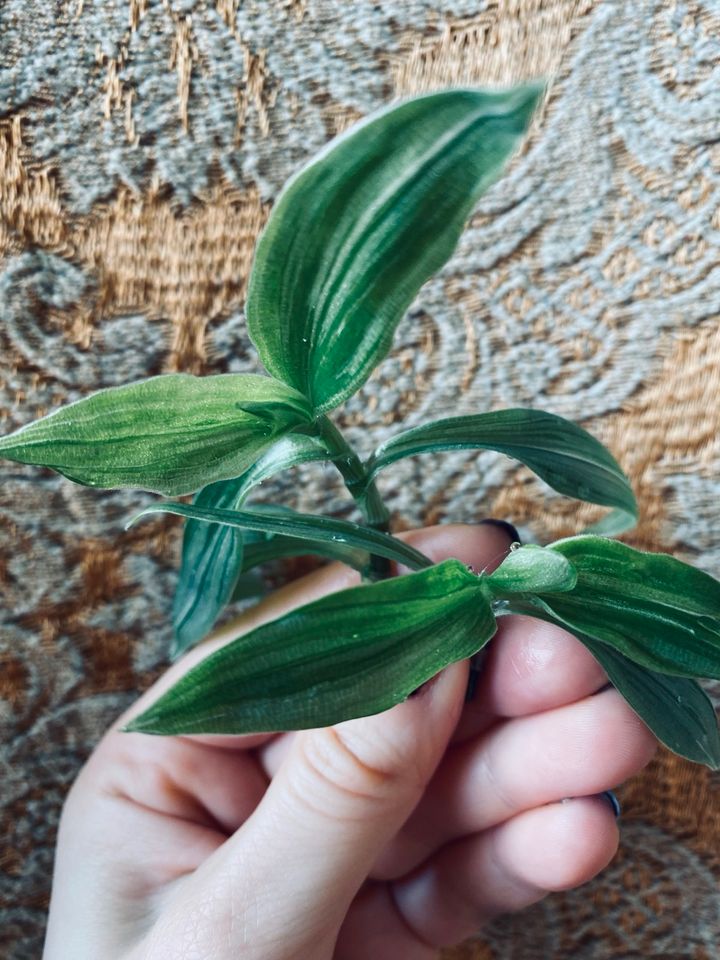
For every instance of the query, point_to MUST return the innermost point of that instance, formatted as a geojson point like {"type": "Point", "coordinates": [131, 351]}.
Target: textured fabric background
{"type": "Point", "coordinates": [141, 145]}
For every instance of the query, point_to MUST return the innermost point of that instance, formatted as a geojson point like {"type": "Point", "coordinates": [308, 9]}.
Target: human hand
{"type": "Point", "coordinates": [383, 837]}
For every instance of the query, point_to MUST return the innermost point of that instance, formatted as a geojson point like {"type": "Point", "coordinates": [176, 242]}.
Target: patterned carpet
{"type": "Point", "coordinates": [141, 145]}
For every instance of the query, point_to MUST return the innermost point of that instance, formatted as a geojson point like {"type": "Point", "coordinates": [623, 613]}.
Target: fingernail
{"type": "Point", "coordinates": [504, 525]}
{"type": "Point", "coordinates": [608, 796]}
{"type": "Point", "coordinates": [472, 683]}
{"type": "Point", "coordinates": [476, 665]}
{"type": "Point", "coordinates": [611, 798]}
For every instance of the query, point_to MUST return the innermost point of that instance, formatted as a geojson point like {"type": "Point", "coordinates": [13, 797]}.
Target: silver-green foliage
{"type": "Point", "coordinates": [348, 245]}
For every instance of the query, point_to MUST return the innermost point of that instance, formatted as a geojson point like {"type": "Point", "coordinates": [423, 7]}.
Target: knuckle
{"type": "Point", "coordinates": [490, 774]}
{"type": "Point", "coordinates": [619, 732]}
{"type": "Point", "coordinates": [337, 780]}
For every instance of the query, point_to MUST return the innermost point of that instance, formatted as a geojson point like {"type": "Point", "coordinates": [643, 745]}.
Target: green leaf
{"type": "Point", "coordinates": [289, 451]}
{"type": "Point", "coordinates": [209, 569]}
{"type": "Point", "coordinates": [654, 609]}
{"type": "Point", "coordinates": [350, 654]}
{"type": "Point", "coordinates": [248, 587]}
{"type": "Point", "coordinates": [171, 434]}
{"type": "Point", "coordinates": [356, 233]}
{"type": "Point", "coordinates": [560, 452]}
{"type": "Point", "coordinates": [212, 555]}
{"type": "Point", "coordinates": [308, 527]}
{"type": "Point", "coordinates": [677, 710]}
{"type": "Point", "coordinates": [260, 548]}
{"type": "Point", "coordinates": [263, 547]}
{"type": "Point", "coordinates": [532, 569]}
{"type": "Point", "coordinates": [277, 546]}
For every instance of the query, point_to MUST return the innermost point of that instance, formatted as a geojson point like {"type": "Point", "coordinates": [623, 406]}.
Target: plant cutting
{"type": "Point", "coordinates": [350, 241]}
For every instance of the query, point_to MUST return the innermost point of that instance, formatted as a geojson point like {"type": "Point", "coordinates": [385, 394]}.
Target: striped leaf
{"type": "Point", "coordinates": [655, 610]}
{"type": "Point", "coordinates": [212, 554]}
{"type": "Point", "coordinates": [347, 655]}
{"type": "Point", "coordinates": [171, 434]}
{"type": "Point", "coordinates": [560, 452]}
{"type": "Point", "coordinates": [301, 525]}
{"type": "Point", "coordinates": [355, 234]}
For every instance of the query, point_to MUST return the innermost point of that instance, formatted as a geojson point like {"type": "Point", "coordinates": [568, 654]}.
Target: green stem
{"type": "Point", "coordinates": [360, 487]}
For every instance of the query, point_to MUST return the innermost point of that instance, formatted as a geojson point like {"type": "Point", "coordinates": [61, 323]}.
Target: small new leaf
{"type": "Point", "coordinates": [171, 434]}
{"type": "Point", "coordinates": [354, 235]}
{"type": "Point", "coordinates": [532, 569]}
{"type": "Point", "coordinates": [560, 452]}
{"type": "Point", "coordinates": [350, 654]}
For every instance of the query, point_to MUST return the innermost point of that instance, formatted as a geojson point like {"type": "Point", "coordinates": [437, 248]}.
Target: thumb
{"type": "Point", "coordinates": [339, 796]}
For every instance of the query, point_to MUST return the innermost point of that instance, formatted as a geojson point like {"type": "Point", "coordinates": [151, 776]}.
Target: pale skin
{"type": "Point", "coordinates": [384, 837]}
